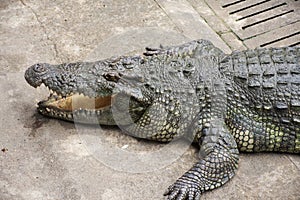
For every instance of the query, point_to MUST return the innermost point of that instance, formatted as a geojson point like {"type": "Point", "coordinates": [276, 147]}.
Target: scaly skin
{"type": "Point", "coordinates": [247, 101]}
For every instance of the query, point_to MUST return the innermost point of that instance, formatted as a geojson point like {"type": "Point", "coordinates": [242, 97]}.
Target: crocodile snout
{"type": "Point", "coordinates": [34, 74]}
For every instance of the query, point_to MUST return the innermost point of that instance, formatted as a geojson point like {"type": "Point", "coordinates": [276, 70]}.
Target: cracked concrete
{"type": "Point", "coordinates": [44, 158]}
{"type": "Point", "coordinates": [52, 43]}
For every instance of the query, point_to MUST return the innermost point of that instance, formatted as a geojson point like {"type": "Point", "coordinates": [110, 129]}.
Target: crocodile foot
{"type": "Point", "coordinates": [150, 51]}
{"type": "Point", "coordinates": [183, 189]}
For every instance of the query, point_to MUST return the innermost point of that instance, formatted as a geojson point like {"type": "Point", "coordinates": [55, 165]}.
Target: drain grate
{"type": "Point", "coordinates": [261, 23]}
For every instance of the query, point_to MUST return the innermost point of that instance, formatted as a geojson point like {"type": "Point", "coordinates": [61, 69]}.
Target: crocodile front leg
{"type": "Point", "coordinates": [218, 164]}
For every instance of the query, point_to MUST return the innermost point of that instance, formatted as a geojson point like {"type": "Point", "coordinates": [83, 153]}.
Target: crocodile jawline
{"type": "Point", "coordinates": [59, 104]}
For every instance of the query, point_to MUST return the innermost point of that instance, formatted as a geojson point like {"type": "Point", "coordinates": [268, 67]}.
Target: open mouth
{"type": "Point", "coordinates": [65, 106]}
{"type": "Point", "coordinates": [74, 102]}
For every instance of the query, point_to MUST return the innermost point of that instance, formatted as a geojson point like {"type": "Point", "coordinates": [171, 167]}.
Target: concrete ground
{"type": "Point", "coordinates": [43, 158]}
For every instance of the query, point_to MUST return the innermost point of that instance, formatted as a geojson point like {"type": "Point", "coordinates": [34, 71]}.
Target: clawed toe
{"type": "Point", "coordinates": [152, 51]}
{"type": "Point", "coordinates": [182, 192]}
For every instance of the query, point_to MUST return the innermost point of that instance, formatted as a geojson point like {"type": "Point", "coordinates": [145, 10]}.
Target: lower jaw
{"type": "Point", "coordinates": [56, 113]}
{"type": "Point", "coordinates": [85, 116]}
{"type": "Point", "coordinates": [79, 108]}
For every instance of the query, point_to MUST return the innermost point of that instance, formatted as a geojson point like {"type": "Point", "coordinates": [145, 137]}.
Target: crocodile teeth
{"type": "Point", "coordinates": [70, 116]}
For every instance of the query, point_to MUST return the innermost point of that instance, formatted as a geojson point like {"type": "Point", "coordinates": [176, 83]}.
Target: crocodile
{"type": "Point", "coordinates": [246, 101]}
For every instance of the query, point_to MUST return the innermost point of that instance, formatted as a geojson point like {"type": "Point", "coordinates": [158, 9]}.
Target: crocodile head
{"type": "Point", "coordinates": [86, 92]}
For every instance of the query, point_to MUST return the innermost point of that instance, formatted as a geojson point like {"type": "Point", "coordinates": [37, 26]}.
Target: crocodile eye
{"type": "Point", "coordinates": [39, 68]}
{"type": "Point", "coordinates": [112, 76]}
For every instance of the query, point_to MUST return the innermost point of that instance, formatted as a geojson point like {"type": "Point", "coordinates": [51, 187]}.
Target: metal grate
{"type": "Point", "coordinates": [263, 23]}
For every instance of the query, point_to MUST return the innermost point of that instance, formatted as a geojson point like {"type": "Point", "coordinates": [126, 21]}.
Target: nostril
{"type": "Point", "coordinates": [39, 68]}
